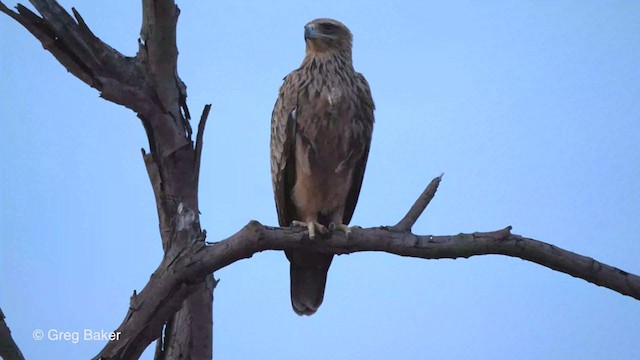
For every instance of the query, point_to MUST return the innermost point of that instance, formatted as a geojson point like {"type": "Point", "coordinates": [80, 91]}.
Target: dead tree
{"type": "Point", "coordinates": [175, 306]}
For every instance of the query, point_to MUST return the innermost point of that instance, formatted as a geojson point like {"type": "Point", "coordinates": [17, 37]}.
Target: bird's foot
{"type": "Point", "coordinates": [342, 227]}
{"type": "Point", "coordinates": [313, 227]}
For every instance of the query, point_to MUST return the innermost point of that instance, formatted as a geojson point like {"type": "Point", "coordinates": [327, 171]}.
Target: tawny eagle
{"type": "Point", "coordinates": [320, 136]}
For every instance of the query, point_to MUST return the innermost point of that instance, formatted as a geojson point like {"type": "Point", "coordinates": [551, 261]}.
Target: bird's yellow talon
{"type": "Point", "coordinates": [312, 226]}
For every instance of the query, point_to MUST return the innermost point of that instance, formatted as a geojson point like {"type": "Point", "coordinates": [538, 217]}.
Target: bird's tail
{"type": "Point", "coordinates": [308, 273]}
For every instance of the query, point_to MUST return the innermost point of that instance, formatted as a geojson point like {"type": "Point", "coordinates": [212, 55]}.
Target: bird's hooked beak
{"type": "Point", "coordinates": [310, 32]}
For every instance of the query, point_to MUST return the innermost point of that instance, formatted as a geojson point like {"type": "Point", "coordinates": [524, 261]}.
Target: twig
{"type": "Point", "coordinates": [418, 207]}
{"type": "Point", "coordinates": [198, 146]}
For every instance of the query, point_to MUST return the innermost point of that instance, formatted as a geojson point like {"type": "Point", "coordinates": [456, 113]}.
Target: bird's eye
{"type": "Point", "coordinates": [329, 27]}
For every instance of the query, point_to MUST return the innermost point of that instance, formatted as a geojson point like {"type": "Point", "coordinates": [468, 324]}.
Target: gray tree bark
{"type": "Point", "coordinates": [175, 306]}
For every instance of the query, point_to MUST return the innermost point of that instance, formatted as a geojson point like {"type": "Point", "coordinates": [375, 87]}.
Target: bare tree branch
{"type": "Point", "coordinates": [255, 238]}
{"type": "Point", "coordinates": [202, 259]}
{"type": "Point", "coordinates": [199, 137]}
{"type": "Point", "coordinates": [160, 52]}
{"type": "Point", "coordinates": [8, 348]}
{"type": "Point", "coordinates": [418, 207]}
{"type": "Point", "coordinates": [43, 32]}
{"type": "Point", "coordinates": [119, 78]}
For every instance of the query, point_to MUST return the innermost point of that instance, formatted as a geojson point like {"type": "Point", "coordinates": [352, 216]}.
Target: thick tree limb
{"type": "Point", "coordinates": [202, 259]}
{"type": "Point", "coordinates": [8, 348]}
{"type": "Point", "coordinates": [255, 238]}
{"type": "Point", "coordinates": [119, 78]}
{"type": "Point", "coordinates": [159, 51]}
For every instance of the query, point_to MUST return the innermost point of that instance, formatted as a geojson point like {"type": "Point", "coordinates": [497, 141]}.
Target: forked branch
{"type": "Point", "coordinates": [201, 259]}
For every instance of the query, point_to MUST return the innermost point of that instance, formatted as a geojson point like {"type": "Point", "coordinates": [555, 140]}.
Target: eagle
{"type": "Point", "coordinates": [321, 129]}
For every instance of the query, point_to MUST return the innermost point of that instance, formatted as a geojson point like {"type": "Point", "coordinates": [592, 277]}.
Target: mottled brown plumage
{"type": "Point", "coordinates": [320, 136]}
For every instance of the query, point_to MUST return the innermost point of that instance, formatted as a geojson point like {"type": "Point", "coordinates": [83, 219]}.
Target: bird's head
{"type": "Point", "coordinates": [327, 35]}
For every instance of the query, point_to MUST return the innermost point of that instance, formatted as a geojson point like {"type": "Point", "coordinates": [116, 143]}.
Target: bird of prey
{"type": "Point", "coordinates": [320, 136]}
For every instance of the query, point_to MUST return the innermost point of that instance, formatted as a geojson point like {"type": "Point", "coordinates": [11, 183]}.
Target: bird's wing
{"type": "Point", "coordinates": [283, 125]}
{"type": "Point", "coordinates": [360, 142]}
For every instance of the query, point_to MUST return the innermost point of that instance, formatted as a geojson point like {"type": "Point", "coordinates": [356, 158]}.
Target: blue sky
{"type": "Point", "coordinates": [529, 108]}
